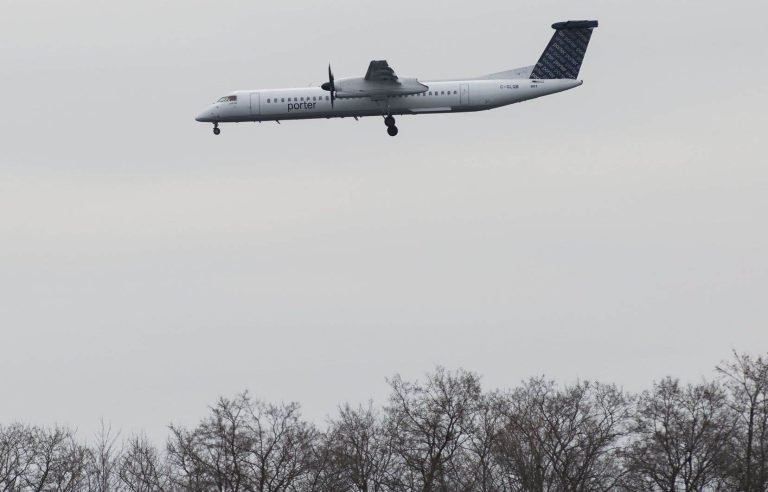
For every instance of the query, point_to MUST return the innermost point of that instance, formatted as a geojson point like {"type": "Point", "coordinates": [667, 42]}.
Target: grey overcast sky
{"type": "Point", "coordinates": [613, 232]}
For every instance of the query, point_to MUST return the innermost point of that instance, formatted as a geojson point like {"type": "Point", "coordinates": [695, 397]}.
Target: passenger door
{"type": "Point", "coordinates": [464, 91]}
{"type": "Point", "coordinates": [255, 104]}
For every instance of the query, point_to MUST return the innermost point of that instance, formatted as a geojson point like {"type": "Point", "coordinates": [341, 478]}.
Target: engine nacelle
{"type": "Point", "coordinates": [359, 87]}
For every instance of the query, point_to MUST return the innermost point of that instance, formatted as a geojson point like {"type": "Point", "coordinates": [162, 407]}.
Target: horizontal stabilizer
{"type": "Point", "coordinates": [515, 73]}
{"type": "Point", "coordinates": [574, 25]}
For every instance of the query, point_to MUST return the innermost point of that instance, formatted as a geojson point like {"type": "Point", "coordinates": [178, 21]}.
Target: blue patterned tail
{"type": "Point", "coordinates": [563, 56]}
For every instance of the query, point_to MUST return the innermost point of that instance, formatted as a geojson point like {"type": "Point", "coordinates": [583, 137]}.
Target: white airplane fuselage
{"type": "Point", "coordinates": [381, 92]}
{"type": "Point", "coordinates": [448, 96]}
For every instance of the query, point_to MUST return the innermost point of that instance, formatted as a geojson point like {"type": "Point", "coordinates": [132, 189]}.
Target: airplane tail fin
{"type": "Point", "coordinates": [563, 55]}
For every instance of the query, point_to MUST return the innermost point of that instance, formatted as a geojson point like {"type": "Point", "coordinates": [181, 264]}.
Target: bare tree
{"type": "Point", "coordinates": [680, 437]}
{"type": "Point", "coordinates": [141, 468]}
{"type": "Point", "coordinates": [187, 461]}
{"type": "Point", "coordinates": [282, 452]}
{"type": "Point", "coordinates": [521, 447]}
{"type": "Point", "coordinates": [243, 445]}
{"type": "Point", "coordinates": [103, 461]}
{"type": "Point", "coordinates": [441, 434]}
{"type": "Point", "coordinates": [429, 424]}
{"type": "Point", "coordinates": [562, 439]}
{"type": "Point", "coordinates": [361, 451]}
{"type": "Point", "coordinates": [746, 379]}
{"type": "Point", "coordinates": [15, 455]}
{"type": "Point", "coordinates": [475, 467]}
{"type": "Point", "coordinates": [57, 461]}
{"type": "Point", "coordinates": [215, 454]}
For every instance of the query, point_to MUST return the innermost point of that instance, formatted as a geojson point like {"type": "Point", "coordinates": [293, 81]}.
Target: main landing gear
{"type": "Point", "coordinates": [390, 122]}
{"type": "Point", "coordinates": [216, 129]}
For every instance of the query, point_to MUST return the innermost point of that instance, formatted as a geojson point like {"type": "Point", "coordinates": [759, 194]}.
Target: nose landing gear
{"type": "Point", "coordinates": [216, 129]}
{"type": "Point", "coordinates": [389, 120]}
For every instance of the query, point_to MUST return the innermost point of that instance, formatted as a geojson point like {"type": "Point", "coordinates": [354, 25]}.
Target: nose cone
{"type": "Point", "coordinates": [207, 116]}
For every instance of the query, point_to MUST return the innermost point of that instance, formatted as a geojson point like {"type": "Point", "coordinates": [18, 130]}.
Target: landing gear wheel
{"type": "Point", "coordinates": [392, 130]}
{"type": "Point", "coordinates": [389, 120]}
{"type": "Point", "coordinates": [216, 130]}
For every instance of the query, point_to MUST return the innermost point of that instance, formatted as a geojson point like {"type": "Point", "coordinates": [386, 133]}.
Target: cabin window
{"type": "Point", "coordinates": [455, 92]}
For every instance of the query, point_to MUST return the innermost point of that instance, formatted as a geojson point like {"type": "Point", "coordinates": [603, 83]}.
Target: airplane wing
{"type": "Point", "coordinates": [380, 82]}
{"type": "Point", "coordinates": [380, 71]}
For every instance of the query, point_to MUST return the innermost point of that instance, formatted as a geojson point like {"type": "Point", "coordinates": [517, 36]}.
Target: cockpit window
{"type": "Point", "coordinates": [227, 99]}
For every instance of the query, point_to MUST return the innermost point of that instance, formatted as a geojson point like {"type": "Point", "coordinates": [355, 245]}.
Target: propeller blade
{"type": "Point", "coordinates": [331, 85]}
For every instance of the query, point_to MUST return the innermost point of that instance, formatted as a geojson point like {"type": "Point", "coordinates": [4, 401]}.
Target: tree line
{"type": "Point", "coordinates": [442, 433]}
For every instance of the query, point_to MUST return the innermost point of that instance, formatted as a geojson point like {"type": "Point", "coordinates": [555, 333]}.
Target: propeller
{"type": "Point", "coordinates": [330, 85]}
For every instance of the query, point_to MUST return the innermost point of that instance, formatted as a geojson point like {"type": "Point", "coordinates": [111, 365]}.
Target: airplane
{"type": "Point", "coordinates": [382, 93]}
